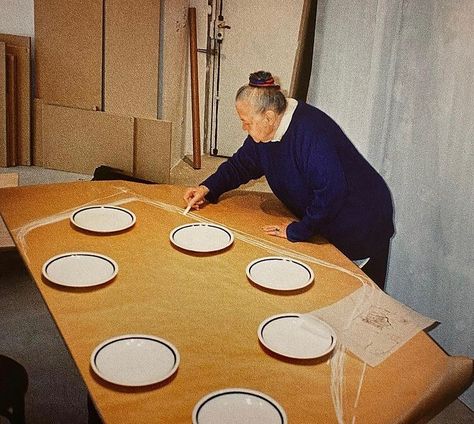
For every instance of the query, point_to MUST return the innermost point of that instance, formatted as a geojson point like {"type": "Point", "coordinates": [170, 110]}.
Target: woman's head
{"type": "Point", "coordinates": [260, 105]}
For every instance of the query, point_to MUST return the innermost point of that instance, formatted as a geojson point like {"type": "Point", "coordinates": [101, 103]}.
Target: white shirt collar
{"type": "Point", "coordinates": [286, 119]}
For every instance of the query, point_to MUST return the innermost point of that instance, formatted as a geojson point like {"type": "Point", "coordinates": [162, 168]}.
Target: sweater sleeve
{"type": "Point", "coordinates": [328, 187]}
{"type": "Point", "coordinates": [239, 169]}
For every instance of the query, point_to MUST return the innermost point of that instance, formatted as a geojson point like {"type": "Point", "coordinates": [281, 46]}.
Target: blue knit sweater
{"type": "Point", "coordinates": [321, 178]}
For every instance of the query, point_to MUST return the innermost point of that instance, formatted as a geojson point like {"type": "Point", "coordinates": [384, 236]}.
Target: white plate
{"type": "Point", "coordinates": [80, 269]}
{"type": "Point", "coordinates": [135, 360]}
{"type": "Point", "coordinates": [298, 336]}
{"type": "Point", "coordinates": [238, 406]}
{"type": "Point", "coordinates": [201, 237]}
{"type": "Point", "coordinates": [103, 218]}
{"type": "Point", "coordinates": [279, 273]}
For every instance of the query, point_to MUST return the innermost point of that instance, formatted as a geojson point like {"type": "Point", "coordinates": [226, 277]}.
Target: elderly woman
{"type": "Point", "coordinates": [313, 168]}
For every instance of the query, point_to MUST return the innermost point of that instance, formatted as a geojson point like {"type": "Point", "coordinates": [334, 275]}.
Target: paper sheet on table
{"type": "Point", "coordinates": [371, 324]}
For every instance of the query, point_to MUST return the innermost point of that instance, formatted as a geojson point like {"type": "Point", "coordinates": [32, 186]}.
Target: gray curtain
{"type": "Point", "coordinates": [398, 76]}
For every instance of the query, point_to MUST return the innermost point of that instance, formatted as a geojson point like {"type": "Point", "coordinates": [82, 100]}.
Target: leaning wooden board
{"type": "Point", "coordinates": [19, 47]}
{"type": "Point", "coordinates": [3, 106]}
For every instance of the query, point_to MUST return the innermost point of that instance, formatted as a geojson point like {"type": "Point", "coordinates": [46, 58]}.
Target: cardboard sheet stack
{"type": "Point", "coordinates": [108, 90]}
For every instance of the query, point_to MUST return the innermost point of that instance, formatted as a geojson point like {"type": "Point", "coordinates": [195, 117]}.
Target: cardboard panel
{"type": "Point", "coordinates": [132, 31]}
{"type": "Point", "coordinates": [37, 148]}
{"type": "Point", "coordinates": [3, 106]}
{"type": "Point", "coordinates": [68, 52]}
{"type": "Point", "coordinates": [79, 140]}
{"type": "Point", "coordinates": [153, 150]}
{"type": "Point", "coordinates": [20, 47]}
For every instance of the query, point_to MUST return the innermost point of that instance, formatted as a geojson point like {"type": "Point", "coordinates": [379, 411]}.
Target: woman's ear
{"type": "Point", "coordinates": [270, 116]}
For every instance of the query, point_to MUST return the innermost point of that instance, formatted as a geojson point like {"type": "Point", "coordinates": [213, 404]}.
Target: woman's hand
{"type": "Point", "coordinates": [194, 196]}
{"type": "Point", "coordinates": [277, 230]}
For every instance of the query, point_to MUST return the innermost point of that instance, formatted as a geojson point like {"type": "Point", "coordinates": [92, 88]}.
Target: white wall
{"type": "Point", "coordinates": [398, 78]}
{"type": "Point", "coordinates": [17, 17]}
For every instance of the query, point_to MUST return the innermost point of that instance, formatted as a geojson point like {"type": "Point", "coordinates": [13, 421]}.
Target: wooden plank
{"type": "Point", "coordinates": [12, 137]}
{"type": "Point", "coordinates": [304, 53]}
{"type": "Point", "coordinates": [78, 140]}
{"type": "Point", "coordinates": [16, 40]}
{"type": "Point", "coordinates": [37, 148]}
{"type": "Point", "coordinates": [23, 102]}
{"type": "Point", "coordinates": [6, 241]}
{"type": "Point", "coordinates": [152, 150]}
{"type": "Point", "coordinates": [68, 52]}
{"type": "Point", "coordinates": [132, 33]}
{"type": "Point", "coordinates": [3, 106]}
{"type": "Point", "coordinates": [7, 180]}
{"type": "Point", "coordinates": [20, 47]}
{"type": "Point", "coordinates": [174, 47]}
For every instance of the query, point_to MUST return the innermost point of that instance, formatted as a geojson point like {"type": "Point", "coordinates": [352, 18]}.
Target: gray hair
{"type": "Point", "coordinates": [262, 98]}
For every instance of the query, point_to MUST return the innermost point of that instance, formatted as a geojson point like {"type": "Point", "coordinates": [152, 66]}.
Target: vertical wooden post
{"type": "Point", "coordinates": [13, 146]}
{"type": "Point", "coordinates": [194, 89]}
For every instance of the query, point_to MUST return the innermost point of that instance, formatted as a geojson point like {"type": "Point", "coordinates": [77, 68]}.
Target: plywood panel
{"type": "Point", "coordinates": [37, 148]}
{"type": "Point", "coordinates": [132, 32]}
{"type": "Point", "coordinates": [20, 47]}
{"type": "Point", "coordinates": [3, 106]}
{"type": "Point", "coordinates": [153, 150]}
{"type": "Point", "coordinates": [68, 51]}
{"type": "Point", "coordinates": [79, 140]}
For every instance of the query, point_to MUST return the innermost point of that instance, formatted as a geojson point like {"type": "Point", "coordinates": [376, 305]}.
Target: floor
{"type": "Point", "coordinates": [56, 393]}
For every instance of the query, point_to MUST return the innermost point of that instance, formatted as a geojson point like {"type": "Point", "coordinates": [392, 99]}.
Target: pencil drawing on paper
{"type": "Point", "coordinates": [377, 317]}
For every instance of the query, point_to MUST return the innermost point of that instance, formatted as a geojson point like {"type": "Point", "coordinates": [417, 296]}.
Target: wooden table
{"type": "Point", "coordinates": [205, 305]}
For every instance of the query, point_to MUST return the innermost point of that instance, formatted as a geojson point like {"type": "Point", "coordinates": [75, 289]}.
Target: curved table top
{"type": "Point", "coordinates": [205, 305]}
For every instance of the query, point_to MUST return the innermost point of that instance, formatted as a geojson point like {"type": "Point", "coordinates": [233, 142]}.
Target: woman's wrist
{"type": "Point", "coordinates": [204, 189]}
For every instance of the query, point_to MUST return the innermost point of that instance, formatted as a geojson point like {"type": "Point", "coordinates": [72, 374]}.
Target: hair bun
{"type": "Point", "coordinates": [262, 79]}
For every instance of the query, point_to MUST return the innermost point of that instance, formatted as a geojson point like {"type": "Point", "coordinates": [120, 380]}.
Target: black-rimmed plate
{"type": "Point", "coordinates": [80, 269]}
{"type": "Point", "coordinates": [201, 237]}
{"type": "Point", "coordinates": [297, 336]}
{"type": "Point", "coordinates": [103, 218]}
{"type": "Point", "coordinates": [135, 360]}
{"type": "Point", "coordinates": [280, 273]}
{"type": "Point", "coordinates": [238, 406]}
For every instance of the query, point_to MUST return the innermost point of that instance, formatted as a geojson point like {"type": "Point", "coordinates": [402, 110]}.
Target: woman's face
{"type": "Point", "coordinates": [259, 126]}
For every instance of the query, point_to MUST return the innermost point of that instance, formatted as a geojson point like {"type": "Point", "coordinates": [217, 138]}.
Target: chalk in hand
{"type": "Point", "coordinates": [188, 208]}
